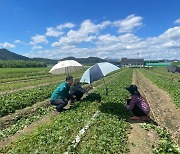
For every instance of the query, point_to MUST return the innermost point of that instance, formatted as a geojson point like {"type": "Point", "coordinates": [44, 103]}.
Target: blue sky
{"type": "Point", "coordinates": [82, 28]}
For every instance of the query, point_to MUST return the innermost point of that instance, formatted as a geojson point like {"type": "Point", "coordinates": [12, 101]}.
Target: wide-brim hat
{"type": "Point", "coordinates": [132, 88]}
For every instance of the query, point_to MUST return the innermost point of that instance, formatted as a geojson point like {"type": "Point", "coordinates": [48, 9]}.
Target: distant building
{"type": "Point", "coordinates": [158, 64]}
{"type": "Point", "coordinates": [132, 62]}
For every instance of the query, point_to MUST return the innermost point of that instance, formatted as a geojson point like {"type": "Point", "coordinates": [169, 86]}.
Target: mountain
{"type": "Point", "coordinates": [112, 60]}
{"type": "Point", "coordinates": [44, 60]}
{"type": "Point", "coordinates": [8, 55]}
{"type": "Point", "coordinates": [85, 60]}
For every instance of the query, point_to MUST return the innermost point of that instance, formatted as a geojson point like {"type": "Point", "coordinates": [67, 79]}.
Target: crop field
{"type": "Point", "coordinates": [99, 123]}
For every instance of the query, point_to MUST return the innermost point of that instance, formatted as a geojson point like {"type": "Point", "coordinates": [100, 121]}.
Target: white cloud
{"type": "Point", "coordinates": [55, 44]}
{"type": "Point", "coordinates": [50, 31]}
{"type": "Point", "coordinates": [65, 25]}
{"type": "Point", "coordinates": [37, 47]}
{"type": "Point", "coordinates": [88, 30]}
{"type": "Point", "coordinates": [17, 41]}
{"type": "Point", "coordinates": [129, 24]}
{"type": "Point", "coordinates": [38, 39]}
{"type": "Point", "coordinates": [7, 45]}
{"type": "Point", "coordinates": [110, 39]}
{"type": "Point", "coordinates": [57, 31]}
{"type": "Point", "coordinates": [177, 21]}
{"type": "Point", "coordinates": [86, 33]}
{"type": "Point", "coordinates": [118, 45]}
{"type": "Point", "coordinates": [104, 24]}
{"type": "Point", "coordinates": [171, 33]}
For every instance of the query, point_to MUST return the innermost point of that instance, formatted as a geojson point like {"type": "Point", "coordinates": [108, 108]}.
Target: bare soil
{"type": "Point", "coordinates": [45, 120]}
{"type": "Point", "coordinates": [163, 110]}
{"type": "Point", "coordinates": [140, 140]}
{"type": "Point", "coordinates": [12, 118]}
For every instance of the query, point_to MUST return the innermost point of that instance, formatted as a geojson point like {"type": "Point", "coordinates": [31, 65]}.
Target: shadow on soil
{"type": "Point", "coordinates": [142, 121]}
{"type": "Point", "coordinates": [119, 110]}
{"type": "Point", "coordinates": [90, 98]}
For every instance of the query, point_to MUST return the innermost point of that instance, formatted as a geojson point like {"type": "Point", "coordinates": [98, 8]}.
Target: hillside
{"type": "Point", "coordinates": [85, 60]}
{"type": "Point", "coordinates": [8, 55]}
{"type": "Point", "coordinates": [44, 60]}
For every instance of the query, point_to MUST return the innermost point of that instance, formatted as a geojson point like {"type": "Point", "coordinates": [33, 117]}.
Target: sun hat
{"type": "Point", "coordinates": [132, 88]}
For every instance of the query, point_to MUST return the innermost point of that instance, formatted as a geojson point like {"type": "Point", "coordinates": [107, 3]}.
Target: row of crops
{"type": "Point", "coordinates": [40, 80]}
{"type": "Point", "coordinates": [165, 73]}
{"type": "Point", "coordinates": [110, 125]}
{"type": "Point", "coordinates": [19, 122]}
{"type": "Point", "coordinates": [165, 82]}
{"type": "Point", "coordinates": [16, 74]}
{"type": "Point", "coordinates": [22, 122]}
{"type": "Point", "coordinates": [106, 134]}
{"type": "Point", "coordinates": [23, 98]}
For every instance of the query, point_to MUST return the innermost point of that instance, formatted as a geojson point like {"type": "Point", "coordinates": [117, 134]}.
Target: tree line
{"type": "Point", "coordinates": [20, 64]}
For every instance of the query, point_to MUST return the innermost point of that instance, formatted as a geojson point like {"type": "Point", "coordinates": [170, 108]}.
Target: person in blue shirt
{"type": "Point", "coordinates": [61, 95]}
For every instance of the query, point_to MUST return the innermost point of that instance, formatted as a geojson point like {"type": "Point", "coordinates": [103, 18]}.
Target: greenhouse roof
{"type": "Point", "coordinates": [158, 64]}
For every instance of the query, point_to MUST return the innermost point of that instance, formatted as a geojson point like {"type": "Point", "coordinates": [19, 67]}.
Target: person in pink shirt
{"type": "Point", "coordinates": [137, 104]}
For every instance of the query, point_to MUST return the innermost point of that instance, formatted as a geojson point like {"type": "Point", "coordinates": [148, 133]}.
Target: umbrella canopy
{"type": "Point", "coordinates": [97, 71]}
{"type": "Point", "coordinates": [66, 67]}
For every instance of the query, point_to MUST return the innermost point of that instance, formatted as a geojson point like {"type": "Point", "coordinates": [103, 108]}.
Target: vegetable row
{"type": "Point", "coordinates": [171, 86]}
{"type": "Point", "coordinates": [111, 124]}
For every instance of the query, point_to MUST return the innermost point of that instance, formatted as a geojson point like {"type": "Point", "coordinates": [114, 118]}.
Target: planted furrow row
{"type": "Point", "coordinates": [12, 126]}
{"type": "Point", "coordinates": [109, 133]}
{"type": "Point", "coordinates": [171, 86]}
{"type": "Point", "coordinates": [25, 84]}
{"type": "Point", "coordinates": [166, 75]}
{"type": "Point", "coordinates": [57, 136]}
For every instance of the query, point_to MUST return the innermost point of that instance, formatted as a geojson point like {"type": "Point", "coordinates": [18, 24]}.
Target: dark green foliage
{"type": "Point", "coordinates": [8, 55]}
{"type": "Point", "coordinates": [20, 64]}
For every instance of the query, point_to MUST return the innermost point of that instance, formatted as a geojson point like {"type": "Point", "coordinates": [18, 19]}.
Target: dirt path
{"type": "Point", "coordinates": [45, 120]}
{"type": "Point", "coordinates": [163, 110]}
{"type": "Point", "coordinates": [12, 118]}
{"type": "Point", "coordinates": [140, 140]}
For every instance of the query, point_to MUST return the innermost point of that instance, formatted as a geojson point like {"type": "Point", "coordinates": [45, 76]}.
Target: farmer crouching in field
{"type": "Point", "coordinates": [137, 105]}
{"type": "Point", "coordinates": [61, 95]}
{"type": "Point", "coordinates": [76, 90]}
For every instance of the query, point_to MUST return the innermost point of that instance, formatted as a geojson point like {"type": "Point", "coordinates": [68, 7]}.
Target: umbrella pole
{"type": "Point", "coordinates": [106, 87]}
{"type": "Point", "coordinates": [68, 71]}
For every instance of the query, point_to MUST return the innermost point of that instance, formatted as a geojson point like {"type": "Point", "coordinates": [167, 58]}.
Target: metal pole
{"type": "Point", "coordinates": [106, 87]}
{"type": "Point", "coordinates": [68, 71]}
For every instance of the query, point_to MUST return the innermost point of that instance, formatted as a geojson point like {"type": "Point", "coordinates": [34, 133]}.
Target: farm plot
{"type": "Point", "coordinates": [169, 85]}
{"type": "Point", "coordinates": [15, 74]}
{"type": "Point", "coordinates": [64, 128]}
{"type": "Point", "coordinates": [163, 72]}
{"type": "Point", "coordinates": [27, 84]}
{"type": "Point", "coordinates": [164, 112]}
{"type": "Point", "coordinates": [23, 118]}
{"type": "Point", "coordinates": [89, 127]}
{"type": "Point", "coordinates": [13, 86]}
{"type": "Point", "coordinates": [23, 98]}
